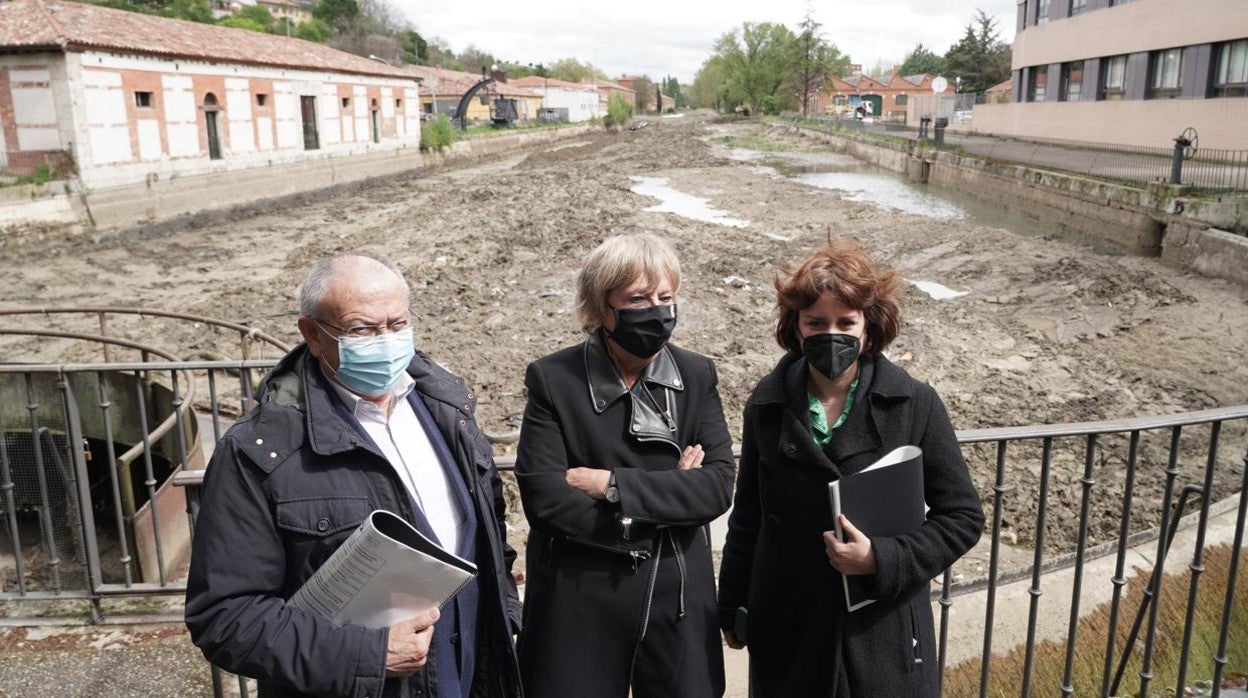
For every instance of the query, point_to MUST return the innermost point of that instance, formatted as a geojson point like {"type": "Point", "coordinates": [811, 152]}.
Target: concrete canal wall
{"type": "Point", "coordinates": [1209, 237]}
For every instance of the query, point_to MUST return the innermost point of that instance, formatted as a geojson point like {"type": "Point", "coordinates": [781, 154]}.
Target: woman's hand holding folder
{"type": "Point", "coordinates": [854, 554]}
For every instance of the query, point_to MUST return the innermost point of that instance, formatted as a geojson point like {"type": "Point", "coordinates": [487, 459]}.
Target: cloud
{"type": "Point", "coordinates": [673, 38]}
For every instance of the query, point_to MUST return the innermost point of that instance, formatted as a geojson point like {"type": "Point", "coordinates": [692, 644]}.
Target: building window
{"type": "Point", "coordinates": [1115, 3]}
{"type": "Point", "coordinates": [261, 100]}
{"type": "Point", "coordinates": [1113, 77]}
{"type": "Point", "coordinates": [1078, 7]}
{"type": "Point", "coordinates": [1042, 12]}
{"type": "Point", "coordinates": [1039, 84]}
{"type": "Point", "coordinates": [1072, 81]}
{"type": "Point", "coordinates": [346, 102]}
{"type": "Point", "coordinates": [398, 104]}
{"type": "Point", "coordinates": [1166, 71]}
{"type": "Point", "coordinates": [143, 99]}
{"type": "Point", "coordinates": [1230, 77]}
{"type": "Point", "coordinates": [901, 100]}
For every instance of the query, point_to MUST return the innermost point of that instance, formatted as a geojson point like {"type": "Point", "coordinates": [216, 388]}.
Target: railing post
{"type": "Point", "coordinates": [86, 515]}
{"type": "Point", "coordinates": [1219, 659]}
{"type": "Point", "coordinates": [1197, 566]}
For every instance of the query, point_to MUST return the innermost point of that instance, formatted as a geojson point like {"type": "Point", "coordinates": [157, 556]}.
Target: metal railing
{"type": "Point", "coordinates": [1105, 462]}
{"type": "Point", "coordinates": [1206, 169]}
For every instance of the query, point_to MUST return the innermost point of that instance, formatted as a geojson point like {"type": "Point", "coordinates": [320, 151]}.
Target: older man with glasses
{"type": "Point", "coordinates": [352, 420]}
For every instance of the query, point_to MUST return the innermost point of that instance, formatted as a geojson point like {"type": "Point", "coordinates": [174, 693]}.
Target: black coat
{"type": "Point", "coordinates": [287, 484]}
{"type": "Point", "coordinates": [591, 564]}
{"type": "Point", "coordinates": [802, 640]}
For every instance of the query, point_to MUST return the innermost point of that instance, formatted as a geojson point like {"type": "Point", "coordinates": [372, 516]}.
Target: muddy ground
{"type": "Point", "coordinates": [1051, 331]}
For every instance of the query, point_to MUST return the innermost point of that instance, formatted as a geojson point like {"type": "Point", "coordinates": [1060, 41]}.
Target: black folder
{"type": "Point", "coordinates": [883, 499]}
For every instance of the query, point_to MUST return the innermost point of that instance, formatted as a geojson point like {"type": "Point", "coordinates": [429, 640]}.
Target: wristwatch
{"type": "Point", "coordinates": [613, 490]}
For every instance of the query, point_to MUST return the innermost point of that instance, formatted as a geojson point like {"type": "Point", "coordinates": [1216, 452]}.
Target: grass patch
{"type": "Point", "coordinates": [751, 141]}
{"type": "Point", "coordinates": [1006, 671]}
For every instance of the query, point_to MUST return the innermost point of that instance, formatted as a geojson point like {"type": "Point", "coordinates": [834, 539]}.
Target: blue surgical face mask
{"type": "Point", "coordinates": [373, 365]}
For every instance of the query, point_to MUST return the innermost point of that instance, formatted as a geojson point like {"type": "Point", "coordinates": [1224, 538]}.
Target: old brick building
{"type": "Point", "coordinates": [132, 98]}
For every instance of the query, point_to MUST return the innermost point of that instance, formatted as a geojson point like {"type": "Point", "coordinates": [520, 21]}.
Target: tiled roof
{"type": "Point", "coordinates": [74, 26]}
{"type": "Point", "coordinates": [608, 85]}
{"type": "Point", "coordinates": [916, 80]}
{"type": "Point", "coordinates": [1002, 86]}
{"type": "Point", "coordinates": [454, 83]}
{"type": "Point", "coordinates": [537, 81]}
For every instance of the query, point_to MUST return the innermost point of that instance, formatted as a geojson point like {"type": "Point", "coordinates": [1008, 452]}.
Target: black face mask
{"type": "Point", "coordinates": [642, 332]}
{"type": "Point", "coordinates": [830, 354]}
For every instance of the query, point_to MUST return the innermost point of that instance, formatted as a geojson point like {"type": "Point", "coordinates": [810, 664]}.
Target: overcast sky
{"type": "Point", "coordinates": [671, 37]}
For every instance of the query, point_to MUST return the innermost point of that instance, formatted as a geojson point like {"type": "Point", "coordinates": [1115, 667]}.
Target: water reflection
{"type": "Point", "coordinates": [682, 204]}
{"type": "Point", "coordinates": [883, 192]}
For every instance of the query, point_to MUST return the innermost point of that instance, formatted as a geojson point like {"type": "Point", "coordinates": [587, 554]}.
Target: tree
{"type": "Point", "coordinates": [757, 61]}
{"type": "Point", "coordinates": [671, 88]}
{"type": "Point", "coordinates": [441, 55]}
{"type": "Point", "coordinates": [252, 14]}
{"type": "Point", "coordinates": [192, 10]}
{"type": "Point", "coordinates": [980, 58]}
{"type": "Point", "coordinates": [644, 89]}
{"type": "Point", "coordinates": [476, 61]}
{"type": "Point", "coordinates": [921, 61]}
{"type": "Point", "coordinates": [312, 30]}
{"type": "Point", "coordinates": [572, 70]}
{"type": "Point", "coordinates": [814, 59]}
{"type": "Point", "coordinates": [331, 12]}
{"type": "Point", "coordinates": [415, 48]}
{"type": "Point", "coordinates": [235, 22]}
{"type": "Point", "coordinates": [710, 86]}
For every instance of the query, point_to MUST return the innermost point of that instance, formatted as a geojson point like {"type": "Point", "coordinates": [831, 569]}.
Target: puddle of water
{"type": "Point", "coordinates": [682, 204]}
{"type": "Point", "coordinates": [883, 192]}
{"type": "Point", "coordinates": [937, 291]}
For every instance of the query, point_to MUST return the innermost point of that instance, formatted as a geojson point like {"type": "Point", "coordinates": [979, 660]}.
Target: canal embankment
{"type": "Point", "coordinates": [1207, 234]}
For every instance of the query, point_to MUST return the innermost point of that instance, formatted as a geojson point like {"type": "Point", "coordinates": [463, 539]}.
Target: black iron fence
{"type": "Point", "coordinates": [59, 460]}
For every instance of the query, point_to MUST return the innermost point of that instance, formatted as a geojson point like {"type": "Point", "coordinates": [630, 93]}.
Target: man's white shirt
{"type": "Point", "coordinates": [406, 446]}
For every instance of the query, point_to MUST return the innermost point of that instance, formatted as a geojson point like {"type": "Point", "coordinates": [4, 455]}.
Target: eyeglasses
{"type": "Point", "coordinates": [370, 330]}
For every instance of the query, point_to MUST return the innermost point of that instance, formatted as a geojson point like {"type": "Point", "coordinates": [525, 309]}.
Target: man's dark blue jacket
{"type": "Point", "coordinates": [286, 485]}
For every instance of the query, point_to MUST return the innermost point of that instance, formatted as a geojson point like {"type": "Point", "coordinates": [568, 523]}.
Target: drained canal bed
{"type": "Point", "coordinates": [1047, 332]}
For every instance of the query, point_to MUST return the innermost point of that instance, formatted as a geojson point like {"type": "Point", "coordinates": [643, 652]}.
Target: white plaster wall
{"type": "Point", "coordinates": [264, 127]}
{"type": "Point", "coordinates": [582, 105]}
{"type": "Point", "coordinates": [272, 143]}
{"type": "Point", "coordinates": [34, 110]}
{"type": "Point", "coordinates": [181, 116]}
{"type": "Point", "coordinates": [411, 114]}
{"type": "Point", "coordinates": [286, 106]}
{"type": "Point", "coordinates": [238, 115]}
{"type": "Point", "coordinates": [387, 103]}
{"type": "Point", "coordinates": [107, 121]}
{"type": "Point", "coordinates": [149, 139]}
{"type": "Point", "coordinates": [328, 103]}
{"type": "Point", "coordinates": [359, 102]}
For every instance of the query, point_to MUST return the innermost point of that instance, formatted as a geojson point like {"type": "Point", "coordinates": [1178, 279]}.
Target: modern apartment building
{"type": "Point", "coordinates": [1129, 72]}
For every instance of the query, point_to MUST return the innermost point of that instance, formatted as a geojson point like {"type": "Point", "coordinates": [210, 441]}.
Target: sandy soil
{"type": "Point", "coordinates": [1050, 332]}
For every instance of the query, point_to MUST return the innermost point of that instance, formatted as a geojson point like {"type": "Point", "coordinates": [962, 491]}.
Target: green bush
{"type": "Point", "coordinates": [771, 105]}
{"type": "Point", "coordinates": [438, 133]}
{"type": "Point", "coordinates": [619, 111]}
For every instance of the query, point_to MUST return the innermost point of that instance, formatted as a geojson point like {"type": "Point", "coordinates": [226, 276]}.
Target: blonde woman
{"type": "Point", "coordinates": [624, 458]}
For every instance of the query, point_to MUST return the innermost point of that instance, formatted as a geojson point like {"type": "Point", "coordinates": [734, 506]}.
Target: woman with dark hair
{"type": "Point", "coordinates": [833, 405]}
{"type": "Point", "coordinates": [624, 458]}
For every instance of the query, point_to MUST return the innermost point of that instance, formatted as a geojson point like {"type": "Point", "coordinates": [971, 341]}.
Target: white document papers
{"type": "Point", "coordinates": [384, 573]}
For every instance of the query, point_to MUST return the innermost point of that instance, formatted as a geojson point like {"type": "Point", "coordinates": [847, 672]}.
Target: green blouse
{"type": "Point", "coordinates": [819, 419]}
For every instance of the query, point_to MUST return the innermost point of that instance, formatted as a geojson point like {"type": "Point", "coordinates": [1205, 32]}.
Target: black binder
{"type": "Point", "coordinates": [883, 499]}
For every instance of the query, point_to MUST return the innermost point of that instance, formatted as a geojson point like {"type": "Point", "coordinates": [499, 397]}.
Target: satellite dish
{"type": "Point", "coordinates": [939, 84]}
